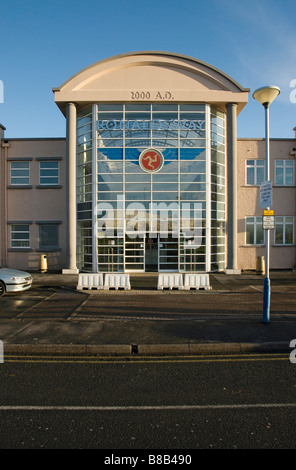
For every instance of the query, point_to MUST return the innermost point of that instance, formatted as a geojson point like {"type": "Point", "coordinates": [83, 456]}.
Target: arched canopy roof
{"type": "Point", "coordinates": [152, 76]}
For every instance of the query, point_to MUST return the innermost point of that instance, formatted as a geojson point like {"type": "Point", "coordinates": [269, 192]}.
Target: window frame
{"type": "Point", "coordinates": [255, 167]}
{"type": "Point", "coordinates": [43, 247]}
{"type": "Point", "coordinates": [12, 241]}
{"type": "Point", "coordinates": [13, 179]}
{"type": "Point", "coordinates": [49, 177]}
{"type": "Point", "coordinates": [284, 167]}
{"type": "Point", "coordinates": [284, 225]}
{"type": "Point", "coordinates": [257, 222]}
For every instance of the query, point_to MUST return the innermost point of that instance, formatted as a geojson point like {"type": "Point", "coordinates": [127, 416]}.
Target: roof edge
{"type": "Point", "coordinates": [160, 53]}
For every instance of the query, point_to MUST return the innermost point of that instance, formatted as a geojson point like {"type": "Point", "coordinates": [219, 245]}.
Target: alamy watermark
{"type": "Point", "coordinates": [293, 92]}
{"type": "Point", "coordinates": [293, 353]}
{"type": "Point", "coordinates": [1, 92]}
{"type": "Point", "coordinates": [1, 352]}
{"type": "Point", "coordinates": [151, 219]}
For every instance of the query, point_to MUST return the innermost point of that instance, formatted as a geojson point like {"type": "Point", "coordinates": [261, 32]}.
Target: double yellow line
{"type": "Point", "coordinates": [45, 359]}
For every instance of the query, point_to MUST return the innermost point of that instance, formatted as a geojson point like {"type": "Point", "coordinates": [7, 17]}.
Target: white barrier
{"type": "Point", "coordinates": [170, 281]}
{"type": "Point", "coordinates": [197, 281]}
{"type": "Point", "coordinates": [87, 281]}
{"type": "Point", "coordinates": [117, 281]}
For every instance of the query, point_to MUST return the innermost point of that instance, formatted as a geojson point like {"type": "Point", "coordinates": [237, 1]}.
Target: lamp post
{"type": "Point", "coordinates": [265, 96]}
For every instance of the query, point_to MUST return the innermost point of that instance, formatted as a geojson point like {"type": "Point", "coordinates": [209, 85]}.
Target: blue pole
{"type": "Point", "coordinates": [266, 289]}
{"type": "Point", "coordinates": [266, 301]}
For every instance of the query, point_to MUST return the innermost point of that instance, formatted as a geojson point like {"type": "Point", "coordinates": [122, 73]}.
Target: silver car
{"type": "Point", "coordinates": [12, 280]}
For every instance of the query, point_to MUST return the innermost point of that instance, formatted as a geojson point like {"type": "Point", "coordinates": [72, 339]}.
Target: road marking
{"type": "Point", "coordinates": [146, 407]}
{"type": "Point", "coordinates": [146, 359]}
{"type": "Point", "coordinates": [257, 288]}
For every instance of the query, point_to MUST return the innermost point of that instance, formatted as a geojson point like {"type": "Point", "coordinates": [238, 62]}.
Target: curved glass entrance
{"type": "Point", "coordinates": [150, 188]}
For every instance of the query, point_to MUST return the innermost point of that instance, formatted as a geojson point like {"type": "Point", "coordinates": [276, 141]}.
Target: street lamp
{"type": "Point", "coordinates": [265, 96]}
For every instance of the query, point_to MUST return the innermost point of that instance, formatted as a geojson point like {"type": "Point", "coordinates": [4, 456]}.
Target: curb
{"type": "Point", "coordinates": [146, 349]}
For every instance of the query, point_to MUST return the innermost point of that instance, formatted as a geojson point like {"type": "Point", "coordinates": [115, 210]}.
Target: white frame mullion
{"type": "Point", "coordinates": [94, 191]}
{"type": "Point", "coordinates": [179, 194]}
{"type": "Point", "coordinates": [208, 187]}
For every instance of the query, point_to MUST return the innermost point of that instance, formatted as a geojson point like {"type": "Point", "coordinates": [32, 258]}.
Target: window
{"type": "Point", "coordinates": [284, 172]}
{"type": "Point", "coordinates": [20, 173]}
{"type": "Point", "coordinates": [49, 173]}
{"type": "Point", "coordinates": [48, 236]}
{"type": "Point", "coordinates": [20, 236]}
{"type": "Point", "coordinates": [255, 172]}
{"type": "Point", "coordinates": [254, 231]}
{"type": "Point", "coordinates": [284, 230]}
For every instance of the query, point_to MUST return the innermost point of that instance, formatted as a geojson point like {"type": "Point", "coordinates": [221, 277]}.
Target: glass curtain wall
{"type": "Point", "coordinates": [84, 190]}
{"type": "Point", "coordinates": [122, 210]}
{"type": "Point", "coordinates": [218, 188]}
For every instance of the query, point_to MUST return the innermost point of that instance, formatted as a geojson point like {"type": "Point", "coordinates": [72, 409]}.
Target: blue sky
{"type": "Point", "coordinates": [45, 42]}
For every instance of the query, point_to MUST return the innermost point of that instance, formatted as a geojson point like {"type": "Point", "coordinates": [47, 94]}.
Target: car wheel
{"type": "Point", "coordinates": [2, 288]}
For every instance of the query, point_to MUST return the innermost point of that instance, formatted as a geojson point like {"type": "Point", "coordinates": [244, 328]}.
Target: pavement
{"type": "Point", "coordinates": [54, 318]}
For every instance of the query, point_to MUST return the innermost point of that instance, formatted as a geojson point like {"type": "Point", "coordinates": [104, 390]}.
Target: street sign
{"type": "Point", "coordinates": [268, 212]}
{"type": "Point", "coordinates": [268, 222]}
{"type": "Point", "coordinates": [265, 194]}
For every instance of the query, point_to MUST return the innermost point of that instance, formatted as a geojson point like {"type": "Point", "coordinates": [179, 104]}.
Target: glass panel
{"type": "Point", "coordinates": [192, 154]}
{"type": "Point", "coordinates": [110, 154]}
{"type": "Point", "coordinates": [192, 107]}
{"type": "Point", "coordinates": [110, 167]}
{"type": "Point", "coordinates": [137, 107]}
{"type": "Point", "coordinates": [110, 187]}
{"type": "Point", "coordinates": [260, 175]}
{"type": "Point", "coordinates": [49, 180]}
{"type": "Point", "coordinates": [279, 235]}
{"type": "Point", "coordinates": [251, 176]}
{"type": "Point", "coordinates": [259, 234]}
{"type": "Point", "coordinates": [135, 116]}
{"type": "Point", "coordinates": [48, 236]}
{"type": "Point", "coordinates": [289, 176]}
{"type": "Point", "coordinates": [288, 234]}
{"type": "Point", "coordinates": [250, 230]}
{"type": "Point", "coordinates": [165, 186]}
{"type": "Point", "coordinates": [165, 107]}
{"type": "Point", "coordinates": [110, 107]}
{"type": "Point", "coordinates": [279, 176]}
{"type": "Point", "coordinates": [138, 186]}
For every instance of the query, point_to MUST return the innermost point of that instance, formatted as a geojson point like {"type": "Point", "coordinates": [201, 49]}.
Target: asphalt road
{"type": "Point", "coordinates": [158, 403]}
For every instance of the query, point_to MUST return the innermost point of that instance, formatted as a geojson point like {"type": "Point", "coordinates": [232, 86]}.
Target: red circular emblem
{"type": "Point", "coordinates": [151, 160]}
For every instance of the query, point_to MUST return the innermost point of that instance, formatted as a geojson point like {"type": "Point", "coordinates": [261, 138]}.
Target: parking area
{"type": "Point", "coordinates": [54, 296]}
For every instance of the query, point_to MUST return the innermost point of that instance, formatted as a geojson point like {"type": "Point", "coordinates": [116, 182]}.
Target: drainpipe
{"type": "Point", "coordinates": [4, 146]}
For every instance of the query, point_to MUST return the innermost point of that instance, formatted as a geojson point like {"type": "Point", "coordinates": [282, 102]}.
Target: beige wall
{"type": "Point", "coordinates": [284, 202]}
{"type": "Point", "coordinates": [36, 204]}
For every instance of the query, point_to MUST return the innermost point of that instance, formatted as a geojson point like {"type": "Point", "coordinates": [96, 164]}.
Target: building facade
{"type": "Point", "coordinates": [150, 177]}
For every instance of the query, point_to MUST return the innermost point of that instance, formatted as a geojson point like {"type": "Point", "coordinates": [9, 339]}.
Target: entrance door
{"type": "Point", "coordinates": [135, 253]}
{"type": "Point", "coordinates": [151, 254]}
{"type": "Point", "coordinates": [168, 254]}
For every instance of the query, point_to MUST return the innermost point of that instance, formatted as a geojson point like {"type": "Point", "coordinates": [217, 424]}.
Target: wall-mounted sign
{"type": "Point", "coordinates": [154, 124]}
{"type": "Point", "coordinates": [151, 160]}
